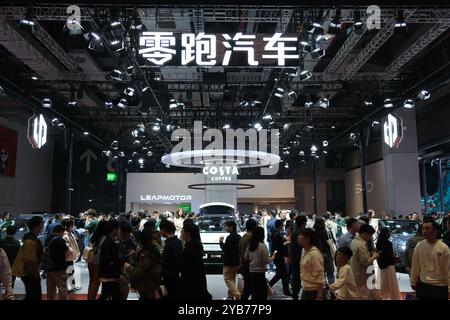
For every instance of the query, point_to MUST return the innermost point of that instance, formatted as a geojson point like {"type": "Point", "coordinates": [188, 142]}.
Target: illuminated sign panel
{"type": "Point", "coordinates": [165, 197]}
{"type": "Point", "coordinates": [393, 131]}
{"type": "Point", "coordinates": [220, 173]}
{"type": "Point", "coordinates": [37, 131]}
{"type": "Point", "coordinates": [202, 49]}
{"type": "Point", "coordinates": [111, 177]}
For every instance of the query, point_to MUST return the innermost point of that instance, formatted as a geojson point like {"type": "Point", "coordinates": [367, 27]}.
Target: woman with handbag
{"type": "Point", "coordinates": [386, 262]}
{"type": "Point", "coordinates": [145, 275]}
{"type": "Point", "coordinates": [257, 257]}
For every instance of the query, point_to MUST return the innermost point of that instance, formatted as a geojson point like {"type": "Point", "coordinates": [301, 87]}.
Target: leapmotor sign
{"type": "Point", "coordinates": [37, 131]}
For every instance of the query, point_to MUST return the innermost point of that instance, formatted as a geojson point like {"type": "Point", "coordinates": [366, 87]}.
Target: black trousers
{"type": "Point", "coordinates": [280, 274]}
{"type": "Point", "coordinates": [295, 279]}
{"type": "Point", "coordinates": [309, 295]}
{"type": "Point", "coordinates": [110, 290]}
{"type": "Point", "coordinates": [429, 292]}
{"type": "Point", "coordinates": [258, 285]}
{"type": "Point", "coordinates": [172, 284]}
{"type": "Point", "coordinates": [247, 286]}
{"type": "Point", "coordinates": [33, 288]}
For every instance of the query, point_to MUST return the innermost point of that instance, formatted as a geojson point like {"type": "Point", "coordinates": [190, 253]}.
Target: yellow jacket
{"type": "Point", "coordinates": [28, 260]}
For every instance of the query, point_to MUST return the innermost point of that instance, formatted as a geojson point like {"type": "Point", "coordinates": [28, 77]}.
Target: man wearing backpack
{"type": "Point", "coordinates": [55, 265]}
{"type": "Point", "coordinates": [28, 260]}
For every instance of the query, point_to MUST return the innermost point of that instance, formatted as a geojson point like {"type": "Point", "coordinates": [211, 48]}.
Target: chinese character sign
{"type": "Point", "coordinates": [202, 49]}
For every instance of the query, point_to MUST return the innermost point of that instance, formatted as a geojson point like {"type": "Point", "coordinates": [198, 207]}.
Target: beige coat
{"type": "Point", "coordinates": [74, 251]}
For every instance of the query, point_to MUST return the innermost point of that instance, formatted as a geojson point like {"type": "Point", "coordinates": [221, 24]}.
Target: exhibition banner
{"type": "Point", "coordinates": [8, 151]}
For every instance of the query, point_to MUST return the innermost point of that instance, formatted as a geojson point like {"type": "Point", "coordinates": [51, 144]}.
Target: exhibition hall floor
{"type": "Point", "coordinates": [216, 286]}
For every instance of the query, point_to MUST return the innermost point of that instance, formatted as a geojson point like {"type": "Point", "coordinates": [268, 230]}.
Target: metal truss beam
{"type": "Point", "coordinates": [380, 38]}
{"type": "Point", "coordinates": [271, 14]}
{"type": "Point", "coordinates": [430, 35]}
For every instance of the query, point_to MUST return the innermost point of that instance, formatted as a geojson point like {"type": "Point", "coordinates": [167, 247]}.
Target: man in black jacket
{"type": "Point", "coordinates": [231, 259]}
{"type": "Point", "coordinates": [278, 248]}
{"type": "Point", "coordinates": [56, 271]}
{"type": "Point", "coordinates": [171, 260]}
{"type": "Point", "coordinates": [110, 267]}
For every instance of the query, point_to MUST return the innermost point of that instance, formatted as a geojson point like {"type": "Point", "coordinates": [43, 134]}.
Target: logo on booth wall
{"type": "Point", "coordinates": [393, 131]}
{"type": "Point", "coordinates": [220, 173]}
{"type": "Point", "coordinates": [369, 187]}
{"type": "Point", "coordinates": [37, 131]}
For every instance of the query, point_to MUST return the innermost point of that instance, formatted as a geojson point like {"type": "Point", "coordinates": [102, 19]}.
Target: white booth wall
{"type": "Point", "coordinates": [143, 189]}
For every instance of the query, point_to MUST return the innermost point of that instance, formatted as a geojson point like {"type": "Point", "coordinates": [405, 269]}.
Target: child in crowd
{"type": "Point", "coordinates": [344, 287]}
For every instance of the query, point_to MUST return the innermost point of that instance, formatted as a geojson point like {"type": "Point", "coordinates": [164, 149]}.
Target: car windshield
{"type": "Point", "coordinates": [212, 224]}
{"type": "Point", "coordinates": [402, 227]}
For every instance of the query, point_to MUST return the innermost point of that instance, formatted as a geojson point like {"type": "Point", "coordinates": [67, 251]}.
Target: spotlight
{"type": "Point", "coordinates": [357, 23]}
{"type": "Point", "coordinates": [115, 144]}
{"type": "Point", "coordinates": [254, 103]}
{"type": "Point", "coordinates": [72, 104]}
{"type": "Point", "coordinates": [136, 23]}
{"type": "Point", "coordinates": [286, 152]}
{"type": "Point", "coordinates": [291, 72]}
{"type": "Point", "coordinates": [317, 53]}
{"type": "Point", "coordinates": [286, 126]}
{"type": "Point", "coordinates": [305, 75]}
{"type": "Point", "coordinates": [257, 126]}
{"type": "Point", "coordinates": [149, 154]}
{"type": "Point", "coordinates": [28, 20]}
{"type": "Point", "coordinates": [46, 103]}
{"type": "Point", "coordinates": [308, 102]}
{"type": "Point", "coordinates": [170, 127]}
{"type": "Point", "coordinates": [226, 126]}
{"type": "Point", "coordinates": [141, 161]}
{"type": "Point", "coordinates": [134, 133]}
{"type": "Point", "coordinates": [388, 103]}
{"type": "Point", "coordinates": [108, 104]}
{"type": "Point", "coordinates": [86, 133]}
{"type": "Point", "coordinates": [180, 105]}
{"type": "Point", "coordinates": [324, 103]}
{"type": "Point", "coordinates": [34, 78]}
{"type": "Point", "coordinates": [117, 75]}
{"type": "Point", "coordinates": [117, 45]}
{"type": "Point", "coordinates": [157, 77]}
{"type": "Point", "coordinates": [95, 42]}
{"type": "Point", "coordinates": [375, 123]}
{"type": "Point", "coordinates": [145, 89]}
{"type": "Point", "coordinates": [137, 142]}
{"type": "Point", "coordinates": [75, 27]}
{"type": "Point", "coordinates": [424, 95]}
{"type": "Point", "coordinates": [408, 104]}
{"type": "Point", "coordinates": [400, 24]}
{"type": "Point", "coordinates": [156, 127]}
{"type": "Point", "coordinates": [325, 143]}
{"type": "Point", "coordinates": [279, 92]}
{"type": "Point", "coordinates": [292, 95]}
{"type": "Point", "coordinates": [267, 117]}
{"type": "Point", "coordinates": [335, 24]}
{"type": "Point", "coordinates": [117, 28]}
{"type": "Point", "coordinates": [172, 104]}
{"type": "Point", "coordinates": [134, 154]}
{"type": "Point", "coordinates": [61, 125]}
{"type": "Point", "coordinates": [107, 153]}
{"type": "Point", "coordinates": [286, 165]}
{"type": "Point", "coordinates": [54, 122]}
{"type": "Point", "coordinates": [123, 103]}
{"type": "Point", "coordinates": [130, 161]}
{"type": "Point", "coordinates": [129, 91]}
{"type": "Point", "coordinates": [313, 149]}
{"type": "Point", "coordinates": [352, 136]}
{"type": "Point", "coordinates": [333, 127]}
{"type": "Point", "coordinates": [301, 153]}
{"type": "Point", "coordinates": [121, 154]}
{"type": "Point", "coordinates": [368, 103]}
{"type": "Point", "coordinates": [244, 103]}
{"type": "Point", "coordinates": [316, 28]}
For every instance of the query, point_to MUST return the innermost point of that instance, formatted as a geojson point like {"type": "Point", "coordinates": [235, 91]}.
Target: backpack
{"type": "Point", "coordinates": [47, 259]}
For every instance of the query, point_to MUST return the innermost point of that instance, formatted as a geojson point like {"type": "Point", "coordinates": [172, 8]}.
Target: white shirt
{"type": "Point", "coordinates": [431, 264]}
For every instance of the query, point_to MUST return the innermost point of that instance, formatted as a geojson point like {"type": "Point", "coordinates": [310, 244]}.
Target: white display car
{"type": "Point", "coordinates": [211, 222]}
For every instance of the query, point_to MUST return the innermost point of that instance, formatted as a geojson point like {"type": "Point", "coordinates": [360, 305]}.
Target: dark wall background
{"type": "Point", "coordinates": [90, 188]}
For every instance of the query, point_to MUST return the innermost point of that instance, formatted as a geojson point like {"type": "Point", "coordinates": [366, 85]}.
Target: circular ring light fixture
{"type": "Point", "coordinates": [198, 158]}
{"type": "Point", "coordinates": [202, 186]}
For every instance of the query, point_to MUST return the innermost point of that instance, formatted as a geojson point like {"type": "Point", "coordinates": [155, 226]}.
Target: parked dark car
{"type": "Point", "coordinates": [401, 232]}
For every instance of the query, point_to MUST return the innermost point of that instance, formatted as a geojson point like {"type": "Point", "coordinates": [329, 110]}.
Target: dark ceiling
{"type": "Point", "coordinates": [369, 64]}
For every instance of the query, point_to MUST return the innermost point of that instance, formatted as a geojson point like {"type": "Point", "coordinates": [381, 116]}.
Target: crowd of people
{"type": "Point", "coordinates": [160, 256]}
